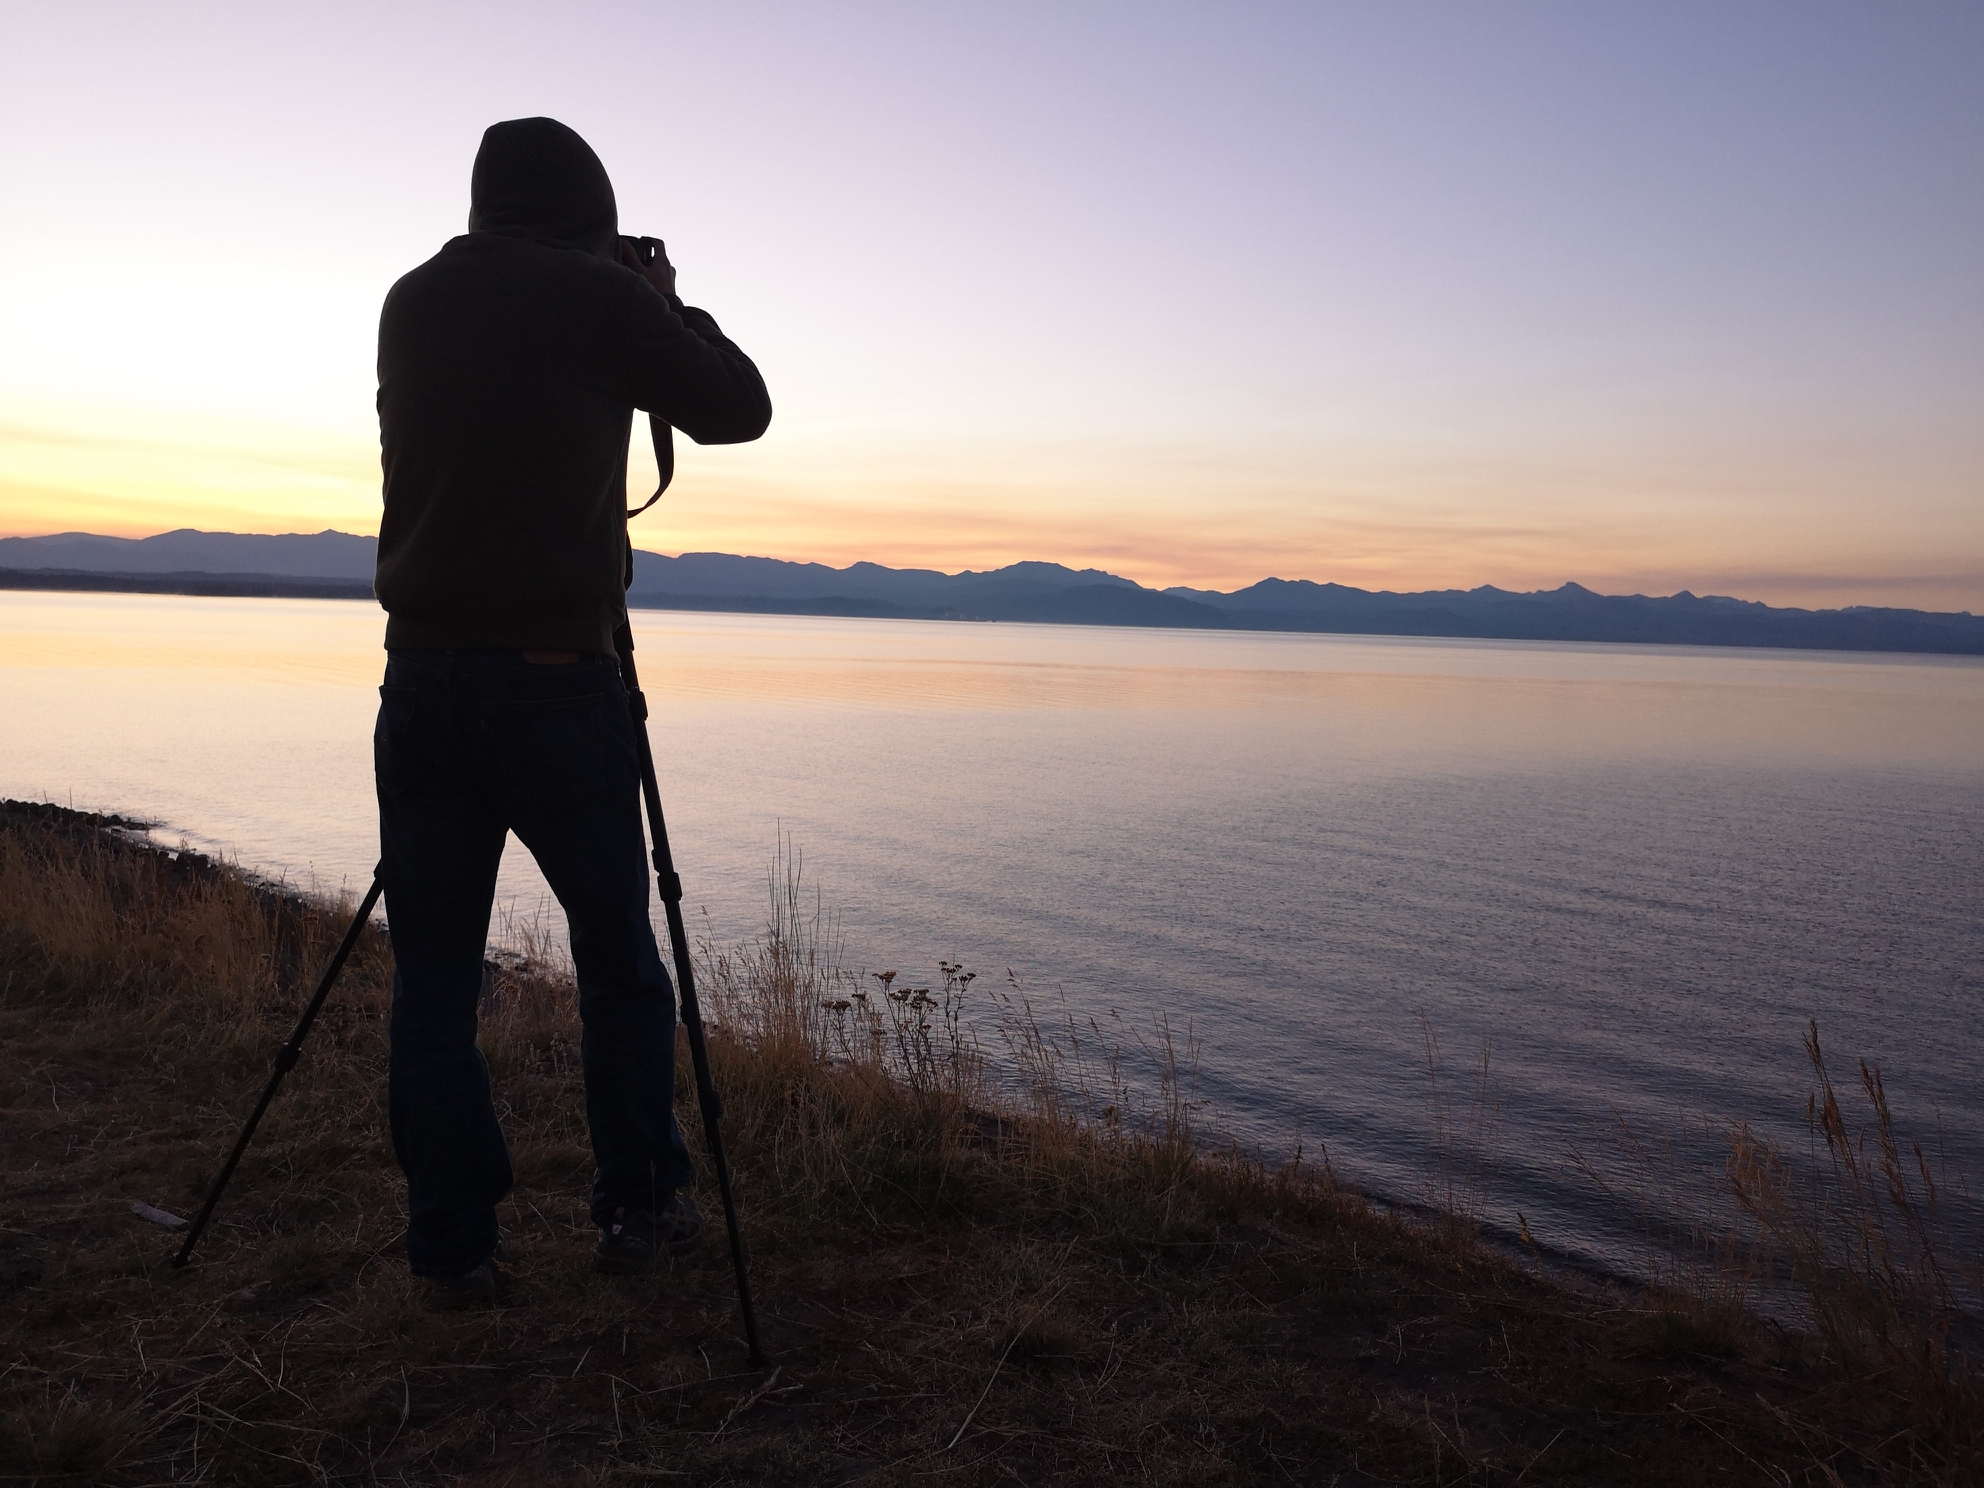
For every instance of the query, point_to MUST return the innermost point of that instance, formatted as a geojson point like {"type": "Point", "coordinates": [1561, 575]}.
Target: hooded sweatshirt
{"type": "Point", "coordinates": [510, 365]}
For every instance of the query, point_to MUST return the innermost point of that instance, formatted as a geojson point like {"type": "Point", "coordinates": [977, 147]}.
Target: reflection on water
{"type": "Point", "coordinates": [1637, 870]}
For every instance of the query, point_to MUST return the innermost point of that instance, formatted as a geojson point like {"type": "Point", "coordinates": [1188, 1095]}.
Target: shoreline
{"type": "Point", "coordinates": [1575, 1269]}
{"type": "Point", "coordinates": [135, 833]}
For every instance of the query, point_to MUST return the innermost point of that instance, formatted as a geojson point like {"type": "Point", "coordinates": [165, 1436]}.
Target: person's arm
{"type": "Point", "coordinates": [682, 369]}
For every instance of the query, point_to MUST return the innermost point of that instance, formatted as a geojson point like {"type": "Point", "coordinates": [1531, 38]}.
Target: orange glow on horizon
{"type": "Point", "coordinates": [1364, 518]}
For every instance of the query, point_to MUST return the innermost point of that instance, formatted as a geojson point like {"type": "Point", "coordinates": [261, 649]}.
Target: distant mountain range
{"type": "Point", "coordinates": [339, 564]}
{"type": "Point", "coordinates": [291, 555]}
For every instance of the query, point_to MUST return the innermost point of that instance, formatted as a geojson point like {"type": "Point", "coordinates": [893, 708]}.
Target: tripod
{"type": "Point", "coordinates": [285, 1062]}
{"type": "Point", "coordinates": [670, 884]}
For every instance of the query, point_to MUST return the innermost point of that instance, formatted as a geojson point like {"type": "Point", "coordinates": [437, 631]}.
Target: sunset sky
{"type": "Point", "coordinates": [1401, 295]}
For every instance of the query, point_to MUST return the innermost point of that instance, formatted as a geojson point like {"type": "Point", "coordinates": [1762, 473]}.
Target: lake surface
{"type": "Point", "coordinates": [1637, 871]}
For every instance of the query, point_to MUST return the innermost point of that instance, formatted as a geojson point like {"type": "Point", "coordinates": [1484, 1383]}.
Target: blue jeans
{"type": "Point", "coordinates": [470, 746]}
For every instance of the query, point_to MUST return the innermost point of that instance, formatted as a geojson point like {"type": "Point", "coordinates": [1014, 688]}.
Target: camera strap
{"type": "Point", "coordinates": [664, 462]}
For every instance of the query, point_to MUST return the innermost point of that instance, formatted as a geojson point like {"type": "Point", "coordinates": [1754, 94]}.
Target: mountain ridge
{"type": "Point", "coordinates": [339, 564]}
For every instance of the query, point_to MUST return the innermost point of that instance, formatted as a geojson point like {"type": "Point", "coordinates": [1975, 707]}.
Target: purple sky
{"type": "Point", "coordinates": [1650, 297]}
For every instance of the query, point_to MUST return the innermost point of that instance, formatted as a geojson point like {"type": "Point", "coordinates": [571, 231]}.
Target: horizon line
{"type": "Point", "coordinates": [1819, 581]}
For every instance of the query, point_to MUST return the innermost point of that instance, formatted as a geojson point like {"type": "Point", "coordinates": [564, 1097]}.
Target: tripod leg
{"type": "Point", "coordinates": [285, 1062]}
{"type": "Point", "coordinates": [712, 1107]}
{"type": "Point", "coordinates": [670, 885]}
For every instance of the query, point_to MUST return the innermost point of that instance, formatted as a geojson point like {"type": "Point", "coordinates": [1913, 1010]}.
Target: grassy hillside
{"type": "Point", "coordinates": [962, 1280]}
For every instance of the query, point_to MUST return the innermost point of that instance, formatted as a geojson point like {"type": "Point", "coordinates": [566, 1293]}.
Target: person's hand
{"type": "Point", "coordinates": [660, 273]}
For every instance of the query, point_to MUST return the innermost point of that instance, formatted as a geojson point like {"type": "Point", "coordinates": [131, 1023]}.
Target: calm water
{"type": "Point", "coordinates": [1639, 871]}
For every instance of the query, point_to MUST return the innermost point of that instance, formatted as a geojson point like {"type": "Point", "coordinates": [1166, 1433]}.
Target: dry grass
{"type": "Point", "coordinates": [1862, 1234]}
{"type": "Point", "coordinates": [975, 1264]}
{"type": "Point", "coordinates": [1465, 1139]}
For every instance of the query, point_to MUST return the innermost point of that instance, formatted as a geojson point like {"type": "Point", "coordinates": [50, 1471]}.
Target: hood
{"type": "Point", "coordinates": [535, 178]}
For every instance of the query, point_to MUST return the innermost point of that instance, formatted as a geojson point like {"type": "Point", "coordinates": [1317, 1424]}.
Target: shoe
{"type": "Point", "coordinates": [630, 1244]}
{"type": "Point", "coordinates": [484, 1283]}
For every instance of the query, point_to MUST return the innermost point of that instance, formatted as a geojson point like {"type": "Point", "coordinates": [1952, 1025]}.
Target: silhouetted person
{"type": "Point", "coordinates": [510, 366]}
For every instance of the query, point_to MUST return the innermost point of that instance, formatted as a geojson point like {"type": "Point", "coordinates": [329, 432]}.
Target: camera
{"type": "Point", "coordinates": [644, 248]}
